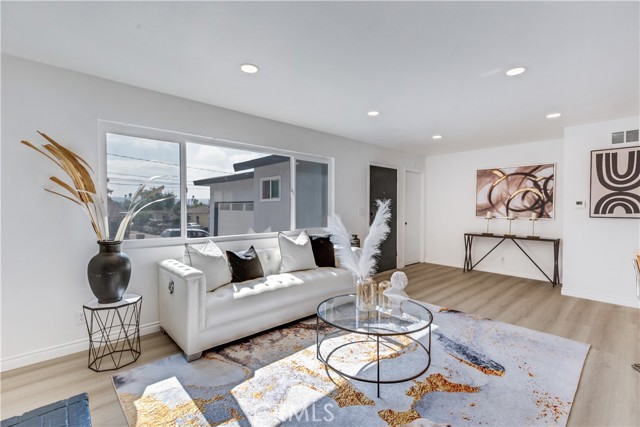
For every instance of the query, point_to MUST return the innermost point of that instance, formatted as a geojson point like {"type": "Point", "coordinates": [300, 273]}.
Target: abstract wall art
{"type": "Point", "coordinates": [517, 191]}
{"type": "Point", "coordinates": [615, 183]}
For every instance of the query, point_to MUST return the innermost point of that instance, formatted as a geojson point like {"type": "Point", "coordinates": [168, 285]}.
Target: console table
{"type": "Point", "coordinates": [468, 243]}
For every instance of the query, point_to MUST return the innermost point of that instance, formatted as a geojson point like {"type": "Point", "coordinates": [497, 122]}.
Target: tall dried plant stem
{"type": "Point", "coordinates": [84, 192]}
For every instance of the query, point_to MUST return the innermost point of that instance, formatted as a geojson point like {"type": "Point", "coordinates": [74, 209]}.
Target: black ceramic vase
{"type": "Point", "coordinates": [109, 272]}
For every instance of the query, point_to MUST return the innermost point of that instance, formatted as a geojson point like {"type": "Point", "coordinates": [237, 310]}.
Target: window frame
{"type": "Point", "coordinates": [183, 139]}
{"type": "Point", "coordinates": [271, 180]}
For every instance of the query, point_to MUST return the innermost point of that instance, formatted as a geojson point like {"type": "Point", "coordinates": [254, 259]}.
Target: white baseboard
{"type": "Point", "coordinates": [596, 296]}
{"type": "Point", "coordinates": [56, 351]}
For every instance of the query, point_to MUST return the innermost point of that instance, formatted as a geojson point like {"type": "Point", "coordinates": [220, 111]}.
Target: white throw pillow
{"type": "Point", "coordinates": [211, 261]}
{"type": "Point", "coordinates": [296, 254]}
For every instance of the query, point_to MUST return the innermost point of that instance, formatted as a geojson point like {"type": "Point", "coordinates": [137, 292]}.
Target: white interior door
{"type": "Point", "coordinates": [413, 217]}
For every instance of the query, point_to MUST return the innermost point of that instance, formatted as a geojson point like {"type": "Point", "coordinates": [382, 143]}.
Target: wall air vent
{"type": "Point", "coordinates": [617, 137]}
{"type": "Point", "coordinates": [622, 137]}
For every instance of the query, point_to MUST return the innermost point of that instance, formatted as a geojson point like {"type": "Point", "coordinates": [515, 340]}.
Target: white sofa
{"type": "Point", "coordinates": [198, 320]}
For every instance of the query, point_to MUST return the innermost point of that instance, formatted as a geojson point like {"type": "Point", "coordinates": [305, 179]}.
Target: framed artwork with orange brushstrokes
{"type": "Point", "coordinates": [516, 191]}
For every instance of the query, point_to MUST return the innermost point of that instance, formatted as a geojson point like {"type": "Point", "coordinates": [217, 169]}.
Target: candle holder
{"type": "Point", "coordinates": [489, 217]}
{"type": "Point", "coordinates": [510, 219]}
{"type": "Point", "coordinates": [533, 220]}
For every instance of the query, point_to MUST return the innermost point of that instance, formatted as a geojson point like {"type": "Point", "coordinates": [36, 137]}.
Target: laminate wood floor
{"type": "Point", "coordinates": [608, 394]}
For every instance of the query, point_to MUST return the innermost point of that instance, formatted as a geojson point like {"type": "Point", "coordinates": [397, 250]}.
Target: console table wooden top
{"type": "Point", "coordinates": [513, 236]}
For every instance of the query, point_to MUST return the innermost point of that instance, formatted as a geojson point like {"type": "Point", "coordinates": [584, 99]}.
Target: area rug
{"type": "Point", "coordinates": [482, 373]}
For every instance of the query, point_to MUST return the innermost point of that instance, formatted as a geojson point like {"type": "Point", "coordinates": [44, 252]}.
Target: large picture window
{"type": "Point", "coordinates": [220, 188]}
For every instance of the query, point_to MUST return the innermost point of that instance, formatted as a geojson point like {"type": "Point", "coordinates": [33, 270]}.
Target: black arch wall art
{"type": "Point", "coordinates": [615, 183]}
{"type": "Point", "coordinates": [519, 191]}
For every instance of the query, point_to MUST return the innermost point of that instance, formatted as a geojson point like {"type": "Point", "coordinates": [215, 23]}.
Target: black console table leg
{"type": "Point", "coordinates": [468, 265]}
{"type": "Point", "coordinates": [556, 255]}
{"type": "Point", "coordinates": [468, 244]}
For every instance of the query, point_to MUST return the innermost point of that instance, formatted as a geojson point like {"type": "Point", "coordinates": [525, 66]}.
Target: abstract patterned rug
{"type": "Point", "coordinates": [482, 373]}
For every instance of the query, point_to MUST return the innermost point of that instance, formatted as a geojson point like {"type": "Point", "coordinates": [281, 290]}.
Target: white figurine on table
{"type": "Point", "coordinates": [396, 293]}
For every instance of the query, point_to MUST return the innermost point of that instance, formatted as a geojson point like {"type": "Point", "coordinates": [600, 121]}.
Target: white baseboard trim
{"type": "Point", "coordinates": [56, 351]}
{"type": "Point", "coordinates": [596, 296]}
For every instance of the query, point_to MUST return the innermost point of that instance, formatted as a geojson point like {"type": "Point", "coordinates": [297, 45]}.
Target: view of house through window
{"type": "Point", "coordinates": [229, 191]}
{"type": "Point", "coordinates": [249, 192]}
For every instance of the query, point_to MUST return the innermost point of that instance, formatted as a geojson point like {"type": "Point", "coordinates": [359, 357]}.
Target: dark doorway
{"type": "Point", "coordinates": [383, 184]}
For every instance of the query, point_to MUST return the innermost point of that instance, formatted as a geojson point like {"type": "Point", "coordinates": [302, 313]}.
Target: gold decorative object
{"type": "Point", "coordinates": [533, 219]}
{"type": "Point", "coordinates": [366, 294]}
{"type": "Point", "coordinates": [510, 218]}
{"type": "Point", "coordinates": [384, 302]}
{"type": "Point", "coordinates": [488, 217]}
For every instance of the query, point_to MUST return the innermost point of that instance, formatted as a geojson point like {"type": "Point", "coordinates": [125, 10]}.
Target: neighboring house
{"type": "Point", "coordinates": [255, 201]}
{"type": "Point", "coordinates": [198, 215]}
{"type": "Point", "coordinates": [260, 200]}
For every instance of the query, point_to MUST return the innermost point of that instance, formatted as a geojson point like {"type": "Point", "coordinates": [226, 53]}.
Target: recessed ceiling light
{"type": "Point", "coordinates": [516, 71]}
{"type": "Point", "coordinates": [249, 68]}
{"type": "Point", "coordinates": [553, 115]}
{"type": "Point", "coordinates": [373, 113]}
{"type": "Point", "coordinates": [436, 137]}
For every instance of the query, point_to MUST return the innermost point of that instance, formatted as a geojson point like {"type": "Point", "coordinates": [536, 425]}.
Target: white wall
{"type": "Point", "coordinates": [450, 210]}
{"type": "Point", "coordinates": [47, 242]}
{"type": "Point", "coordinates": [597, 251]}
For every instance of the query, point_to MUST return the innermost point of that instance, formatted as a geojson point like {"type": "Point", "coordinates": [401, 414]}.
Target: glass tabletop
{"type": "Point", "coordinates": [341, 312]}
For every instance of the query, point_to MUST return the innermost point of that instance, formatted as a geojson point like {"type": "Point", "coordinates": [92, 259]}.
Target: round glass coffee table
{"type": "Point", "coordinates": [373, 337]}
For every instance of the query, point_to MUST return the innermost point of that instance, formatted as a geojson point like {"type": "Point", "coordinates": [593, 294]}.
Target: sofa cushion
{"type": "Point", "coordinates": [323, 251]}
{"type": "Point", "coordinates": [296, 254]}
{"type": "Point", "coordinates": [237, 301]}
{"type": "Point", "coordinates": [211, 261]}
{"type": "Point", "coordinates": [244, 265]}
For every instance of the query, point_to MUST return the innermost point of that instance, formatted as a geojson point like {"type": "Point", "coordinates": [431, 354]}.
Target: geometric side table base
{"type": "Point", "coordinates": [114, 332]}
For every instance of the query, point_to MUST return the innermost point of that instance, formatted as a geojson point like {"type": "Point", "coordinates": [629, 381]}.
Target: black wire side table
{"type": "Point", "coordinates": [114, 332]}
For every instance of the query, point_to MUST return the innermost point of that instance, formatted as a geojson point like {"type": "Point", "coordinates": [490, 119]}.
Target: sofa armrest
{"type": "Point", "coordinates": [180, 270]}
{"type": "Point", "coordinates": [181, 303]}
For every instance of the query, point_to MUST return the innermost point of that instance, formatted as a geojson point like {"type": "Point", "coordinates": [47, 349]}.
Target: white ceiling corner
{"type": "Point", "coordinates": [428, 67]}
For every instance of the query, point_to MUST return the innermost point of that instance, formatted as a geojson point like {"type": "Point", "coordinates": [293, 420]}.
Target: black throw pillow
{"type": "Point", "coordinates": [244, 266]}
{"type": "Point", "coordinates": [323, 251]}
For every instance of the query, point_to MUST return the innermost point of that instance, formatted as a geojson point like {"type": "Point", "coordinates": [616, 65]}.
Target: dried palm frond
{"type": "Point", "coordinates": [83, 190]}
{"type": "Point", "coordinates": [136, 200]}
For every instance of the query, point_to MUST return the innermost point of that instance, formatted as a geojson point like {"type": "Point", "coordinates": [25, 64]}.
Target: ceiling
{"type": "Point", "coordinates": [428, 67]}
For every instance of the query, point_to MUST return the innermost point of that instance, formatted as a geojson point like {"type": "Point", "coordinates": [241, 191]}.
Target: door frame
{"type": "Point", "coordinates": [423, 222]}
{"type": "Point", "coordinates": [399, 207]}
